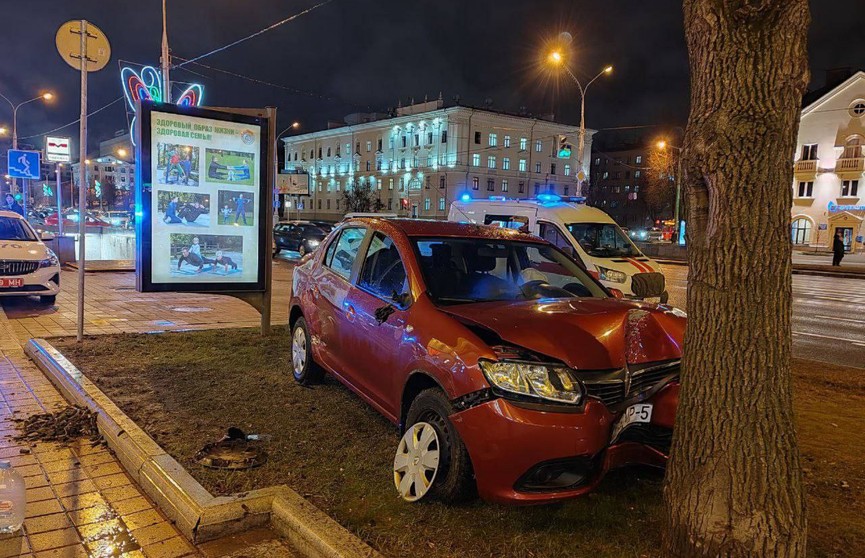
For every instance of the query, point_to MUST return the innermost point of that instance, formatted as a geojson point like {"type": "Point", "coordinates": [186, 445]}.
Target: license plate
{"type": "Point", "coordinates": [11, 282]}
{"type": "Point", "coordinates": [632, 415]}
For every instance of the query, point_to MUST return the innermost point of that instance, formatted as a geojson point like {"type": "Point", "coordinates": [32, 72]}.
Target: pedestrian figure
{"type": "Point", "coordinates": [837, 249]}
{"type": "Point", "coordinates": [13, 205]}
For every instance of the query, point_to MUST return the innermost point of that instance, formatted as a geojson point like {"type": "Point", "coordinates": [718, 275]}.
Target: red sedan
{"type": "Point", "coordinates": [71, 220]}
{"type": "Point", "coordinates": [508, 369]}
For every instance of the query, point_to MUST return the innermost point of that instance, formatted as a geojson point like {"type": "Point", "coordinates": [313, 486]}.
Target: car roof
{"type": "Point", "coordinates": [562, 211]}
{"type": "Point", "coordinates": [432, 228]}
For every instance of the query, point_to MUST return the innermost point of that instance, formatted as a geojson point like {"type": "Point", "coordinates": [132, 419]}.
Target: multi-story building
{"type": "Point", "coordinates": [427, 155]}
{"type": "Point", "coordinates": [114, 177]}
{"type": "Point", "coordinates": [619, 176]}
{"type": "Point", "coordinates": [828, 186]}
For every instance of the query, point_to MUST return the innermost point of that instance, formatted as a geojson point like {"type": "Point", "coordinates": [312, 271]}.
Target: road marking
{"type": "Point", "coordinates": [833, 318]}
{"type": "Point", "coordinates": [850, 341]}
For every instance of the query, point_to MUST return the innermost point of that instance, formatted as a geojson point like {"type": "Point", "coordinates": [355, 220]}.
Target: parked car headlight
{"type": "Point", "coordinates": [51, 261]}
{"type": "Point", "coordinates": [542, 381]}
{"type": "Point", "coordinates": [612, 275]}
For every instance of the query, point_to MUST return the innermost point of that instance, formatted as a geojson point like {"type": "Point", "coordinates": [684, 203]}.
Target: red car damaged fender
{"type": "Point", "coordinates": [507, 367]}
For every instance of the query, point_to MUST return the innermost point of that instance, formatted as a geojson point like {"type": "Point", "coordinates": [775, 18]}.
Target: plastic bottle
{"type": "Point", "coordinates": [13, 497]}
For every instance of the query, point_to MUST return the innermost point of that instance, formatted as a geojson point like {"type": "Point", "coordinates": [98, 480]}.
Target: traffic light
{"type": "Point", "coordinates": [564, 151]}
{"type": "Point", "coordinates": [98, 189]}
{"type": "Point", "coordinates": [46, 190]}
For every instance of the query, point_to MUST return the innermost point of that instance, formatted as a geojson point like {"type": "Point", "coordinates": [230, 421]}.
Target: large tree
{"type": "Point", "coordinates": [660, 191]}
{"type": "Point", "coordinates": [734, 484]}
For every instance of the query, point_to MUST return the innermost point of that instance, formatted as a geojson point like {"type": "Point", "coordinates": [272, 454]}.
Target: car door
{"type": "Point", "coordinates": [329, 290]}
{"type": "Point", "coordinates": [279, 235]}
{"type": "Point", "coordinates": [379, 305]}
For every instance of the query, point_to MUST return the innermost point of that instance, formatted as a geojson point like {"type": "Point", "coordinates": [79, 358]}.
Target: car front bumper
{"type": "Point", "coordinates": [45, 281]}
{"type": "Point", "coordinates": [513, 448]}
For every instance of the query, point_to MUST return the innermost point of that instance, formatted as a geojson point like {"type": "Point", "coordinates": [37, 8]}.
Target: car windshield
{"type": "Point", "coordinates": [603, 240]}
{"type": "Point", "coordinates": [15, 229]}
{"type": "Point", "coordinates": [461, 270]}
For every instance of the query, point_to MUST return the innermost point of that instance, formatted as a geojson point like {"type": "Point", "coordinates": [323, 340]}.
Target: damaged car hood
{"type": "Point", "coordinates": [584, 333]}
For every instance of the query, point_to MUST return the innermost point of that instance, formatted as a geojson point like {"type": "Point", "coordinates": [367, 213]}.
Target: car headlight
{"type": "Point", "coordinates": [51, 261]}
{"type": "Point", "coordinates": [612, 275]}
{"type": "Point", "coordinates": [543, 381]}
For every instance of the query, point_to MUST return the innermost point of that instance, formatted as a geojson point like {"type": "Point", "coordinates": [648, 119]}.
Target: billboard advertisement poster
{"type": "Point", "coordinates": [58, 150]}
{"type": "Point", "coordinates": [203, 201]}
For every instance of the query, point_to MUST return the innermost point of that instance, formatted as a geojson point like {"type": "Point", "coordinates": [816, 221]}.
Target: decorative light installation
{"type": "Point", "coordinates": [147, 86]}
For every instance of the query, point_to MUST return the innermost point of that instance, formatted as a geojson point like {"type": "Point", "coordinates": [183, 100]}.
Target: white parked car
{"type": "Point", "coordinates": [27, 266]}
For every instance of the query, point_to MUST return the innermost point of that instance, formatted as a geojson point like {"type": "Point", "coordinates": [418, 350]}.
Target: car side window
{"type": "Point", "coordinates": [383, 272]}
{"type": "Point", "coordinates": [342, 253]}
{"type": "Point", "coordinates": [553, 235]}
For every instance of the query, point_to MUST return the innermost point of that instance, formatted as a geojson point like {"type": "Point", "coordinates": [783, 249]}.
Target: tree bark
{"type": "Point", "coordinates": [734, 485]}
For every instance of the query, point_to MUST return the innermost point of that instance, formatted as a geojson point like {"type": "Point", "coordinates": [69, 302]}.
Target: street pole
{"type": "Point", "coordinates": [59, 201]}
{"type": "Point", "coordinates": [166, 60]}
{"type": "Point", "coordinates": [82, 177]}
{"type": "Point", "coordinates": [678, 194]}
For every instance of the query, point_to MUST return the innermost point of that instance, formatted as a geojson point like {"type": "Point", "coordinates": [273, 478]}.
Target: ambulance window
{"type": "Point", "coordinates": [553, 235]}
{"type": "Point", "coordinates": [506, 221]}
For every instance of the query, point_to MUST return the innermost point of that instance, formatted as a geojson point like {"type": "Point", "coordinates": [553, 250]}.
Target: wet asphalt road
{"type": "Point", "coordinates": [828, 315]}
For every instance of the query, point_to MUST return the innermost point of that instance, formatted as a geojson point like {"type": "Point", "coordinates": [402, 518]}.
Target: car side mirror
{"type": "Point", "coordinates": [402, 300]}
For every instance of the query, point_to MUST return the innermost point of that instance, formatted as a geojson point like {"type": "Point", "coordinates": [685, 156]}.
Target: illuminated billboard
{"type": "Point", "coordinates": [204, 200]}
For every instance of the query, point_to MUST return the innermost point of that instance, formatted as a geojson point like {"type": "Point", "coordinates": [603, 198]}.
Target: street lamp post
{"type": "Point", "coordinates": [557, 59]}
{"type": "Point", "coordinates": [662, 145]}
{"type": "Point", "coordinates": [293, 126]}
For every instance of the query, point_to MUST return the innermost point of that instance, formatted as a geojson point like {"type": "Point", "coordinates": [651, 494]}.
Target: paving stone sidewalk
{"type": "Point", "coordinates": [80, 502]}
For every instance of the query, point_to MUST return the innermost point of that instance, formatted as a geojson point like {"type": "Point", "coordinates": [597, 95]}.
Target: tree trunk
{"type": "Point", "coordinates": [734, 485]}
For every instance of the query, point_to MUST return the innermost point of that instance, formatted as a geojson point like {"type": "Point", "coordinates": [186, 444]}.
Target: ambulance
{"type": "Point", "coordinates": [586, 233]}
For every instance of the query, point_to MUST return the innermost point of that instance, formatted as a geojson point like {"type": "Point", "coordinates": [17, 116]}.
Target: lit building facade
{"type": "Point", "coordinates": [427, 155]}
{"type": "Point", "coordinates": [828, 185]}
{"type": "Point", "coordinates": [108, 171]}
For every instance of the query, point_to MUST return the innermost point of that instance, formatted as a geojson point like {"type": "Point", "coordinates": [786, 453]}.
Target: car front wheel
{"type": "Point", "coordinates": [431, 459]}
{"type": "Point", "coordinates": [305, 371]}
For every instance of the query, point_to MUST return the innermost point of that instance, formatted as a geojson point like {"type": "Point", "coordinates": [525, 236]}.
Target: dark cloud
{"type": "Point", "coordinates": [369, 54]}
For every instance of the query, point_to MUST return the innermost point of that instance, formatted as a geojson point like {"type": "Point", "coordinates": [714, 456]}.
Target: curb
{"type": "Point", "coordinates": [199, 515]}
{"type": "Point", "coordinates": [798, 269]}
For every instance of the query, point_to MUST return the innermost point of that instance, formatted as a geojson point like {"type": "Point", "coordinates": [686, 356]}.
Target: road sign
{"type": "Point", "coordinates": [68, 40]}
{"type": "Point", "coordinates": [58, 150]}
{"type": "Point", "coordinates": [24, 164]}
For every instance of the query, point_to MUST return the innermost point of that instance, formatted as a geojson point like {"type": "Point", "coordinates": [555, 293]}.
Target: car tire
{"type": "Point", "coordinates": [48, 299]}
{"type": "Point", "coordinates": [454, 480]}
{"type": "Point", "coordinates": [304, 369]}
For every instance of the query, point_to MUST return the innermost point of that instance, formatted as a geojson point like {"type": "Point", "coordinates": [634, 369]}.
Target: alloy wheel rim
{"type": "Point", "coordinates": [416, 462]}
{"type": "Point", "coordinates": [298, 351]}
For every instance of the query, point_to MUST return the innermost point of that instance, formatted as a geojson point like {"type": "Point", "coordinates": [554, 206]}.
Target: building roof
{"type": "Point", "coordinates": [814, 98]}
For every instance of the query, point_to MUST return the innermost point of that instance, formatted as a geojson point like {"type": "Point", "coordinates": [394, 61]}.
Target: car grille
{"type": "Point", "coordinates": [610, 387]}
{"type": "Point", "coordinates": [17, 267]}
{"type": "Point", "coordinates": [647, 285]}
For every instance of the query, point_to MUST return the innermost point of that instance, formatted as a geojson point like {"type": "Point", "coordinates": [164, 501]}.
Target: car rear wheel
{"type": "Point", "coordinates": [431, 459]}
{"type": "Point", "coordinates": [303, 368]}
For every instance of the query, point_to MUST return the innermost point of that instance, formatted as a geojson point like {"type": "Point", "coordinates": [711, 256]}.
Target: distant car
{"type": "Point", "coordinates": [71, 220]}
{"type": "Point", "coordinates": [302, 237]}
{"type": "Point", "coordinates": [116, 218]}
{"type": "Point", "coordinates": [27, 266]}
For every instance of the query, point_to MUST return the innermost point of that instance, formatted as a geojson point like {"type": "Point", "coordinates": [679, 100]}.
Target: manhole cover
{"type": "Point", "coordinates": [231, 454]}
{"type": "Point", "coordinates": [192, 309]}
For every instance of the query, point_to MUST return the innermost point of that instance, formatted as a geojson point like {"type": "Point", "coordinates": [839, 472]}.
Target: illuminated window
{"type": "Point", "coordinates": [475, 183]}
{"type": "Point", "coordinates": [606, 175]}
{"type": "Point", "coordinates": [504, 185]}
{"type": "Point", "coordinates": [476, 160]}
{"type": "Point", "coordinates": [523, 144]}
{"type": "Point", "coordinates": [493, 140]}
{"type": "Point", "coordinates": [637, 174]}
{"type": "Point", "coordinates": [522, 165]}
{"type": "Point", "coordinates": [539, 146]}
{"type": "Point", "coordinates": [507, 141]}
{"type": "Point", "coordinates": [537, 168]}
{"type": "Point", "coordinates": [567, 170]}
{"type": "Point", "coordinates": [441, 204]}
{"type": "Point", "coordinates": [369, 146]}
{"type": "Point", "coordinates": [426, 204]}
{"type": "Point", "coordinates": [390, 184]}
{"type": "Point", "coordinates": [506, 163]}
{"type": "Point", "coordinates": [491, 161]}
{"type": "Point", "coordinates": [638, 159]}
{"type": "Point", "coordinates": [801, 231]}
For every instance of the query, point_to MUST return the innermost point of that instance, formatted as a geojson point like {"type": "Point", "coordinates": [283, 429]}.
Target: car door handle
{"type": "Point", "coordinates": [350, 313]}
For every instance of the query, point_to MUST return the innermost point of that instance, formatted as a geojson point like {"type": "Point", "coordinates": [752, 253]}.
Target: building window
{"type": "Point", "coordinates": [429, 138]}
{"type": "Point", "coordinates": [319, 203]}
{"type": "Point", "coordinates": [522, 187]}
{"type": "Point", "coordinates": [524, 144]}
{"type": "Point", "coordinates": [441, 204]}
{"type": "Point", "coordinates": [404, 141]}
{"type": "Point", "coordinates": [328, 203]}
{"type": "Point", "coordinates": [522, 165]}
{"type": "Point", "coordinates": [539, 146]}
{"type": "Point", "coordinates": [426, 204]}
{"type": "Point", "coordinates": [506, 163]}
{"type": "Point", "coordinates": [853, 148]}
{"type": "Point", "coordinates": [567, 170]}
{"type": "Point", "coordinates": [390, 184]}
{"type": "Point", "coordinates": [379, 145]}
{"type": "Point", "coordinates": [390, 203]}
{"type": "Point", "coordinates": [537, 188]}
{"type": "Point", "coordinates": [328, 152]}
{"type": "Point", "coordinates": [442, 181]}
{"type": "Point", "coordinates": [402, 163]}
{"type": "Point", "coordinates": [426, 183]}
{"type": "Point", "coordinates": [857, 109]}
{"type": "Point", "coordinates": [478, 138]}
{"type": "Point", "coordinates": [491, 161]}
{"type": "Point", "coordinates": [475, 183]}
{"type": "Point", "coordinates": [638, 159]}
{"type": "Point", "coordinates": [806, 189]}
{"type": "Point", "coordinates": [801, 230]}
{"type": "Point", "coordinates": [504, 185]}
{"type": "Point", "coordinates": [606, 175]}
{"type": "Point", "coordinates": [444, 136]}
{"type": "Point", "coordinates": [538, 168]}
{"type": "Point", "coordinates": [637, 174]}
{"type": "Point", "coordinates": [849, 188]}
{"type": "Point", "coordinates": [476, 160]}
{"type": "Point", "coordinates": [491, 185]}
{"type": "Point", "coordinates": [493, 140]}
{"type": "Point", "coordinates": [809, 152]}
{"type": "Point", "coordinates": [552, 168]}
{"type": "Point", "coordinates": [507, 141]}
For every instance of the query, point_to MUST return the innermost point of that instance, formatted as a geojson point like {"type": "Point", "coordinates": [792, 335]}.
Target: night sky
{"type": "Point", "coordinates": [367, 55]}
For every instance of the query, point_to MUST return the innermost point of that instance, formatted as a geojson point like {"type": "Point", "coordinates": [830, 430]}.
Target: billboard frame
{"type": "Point", "coordinates": [144, 199]}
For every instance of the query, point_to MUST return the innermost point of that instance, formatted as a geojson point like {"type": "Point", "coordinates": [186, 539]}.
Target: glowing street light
{"type": "Point", "coordinates": [47, 96]}
{"type": "Point", "coordinates": [121, 152]}
{"type": "Point", "coordinates": [557, 59]}
{"type": "Point", "coordinates": [662, 145]}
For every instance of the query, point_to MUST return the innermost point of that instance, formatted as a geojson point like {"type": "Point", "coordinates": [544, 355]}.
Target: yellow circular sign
{"type": "Point", "coordinates": [68, 41]}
